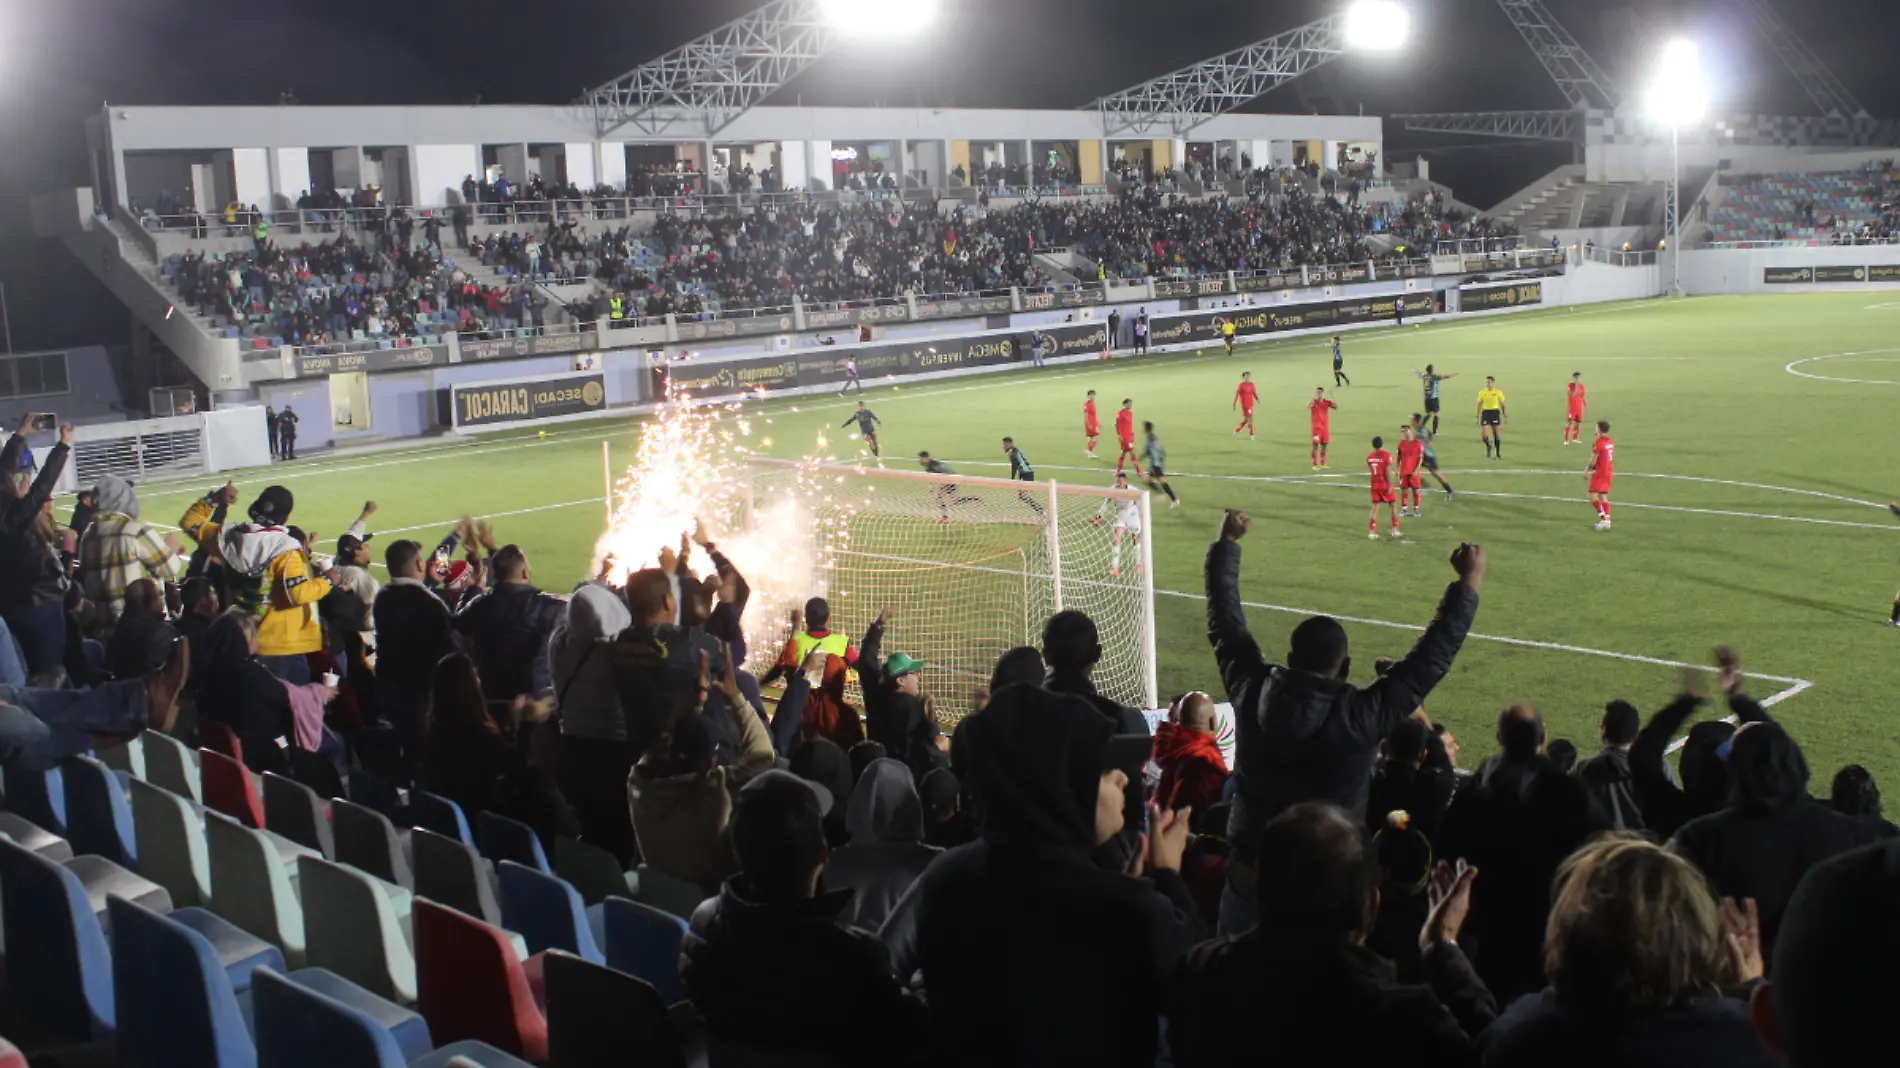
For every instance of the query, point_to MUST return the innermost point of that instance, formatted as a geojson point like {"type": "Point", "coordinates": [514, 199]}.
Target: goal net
{"type": "Point", "coordinates": [970, 567]}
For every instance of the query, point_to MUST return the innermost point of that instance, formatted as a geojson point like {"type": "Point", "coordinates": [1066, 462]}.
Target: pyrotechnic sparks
{"type": "Point", "coordinates": [691, 464]}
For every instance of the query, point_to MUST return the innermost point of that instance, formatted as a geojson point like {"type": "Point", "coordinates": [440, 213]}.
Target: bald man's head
{"type": "Point", "coordinates": [1521, 731]}
{"type": "Point", "coordinates": [1194, 711]}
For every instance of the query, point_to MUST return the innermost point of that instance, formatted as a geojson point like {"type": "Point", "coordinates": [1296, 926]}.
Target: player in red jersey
{"type": "Point", "coordinates": [1125, 437]}
{"type": "Point", "coordinates": [1602, 469]}
{"type": "Point", "coordinates": [1321, 408]}
{"type": "Point", "coordinates": [1575, 407]}
{"type": "Point", "coordinates": [1411, 454]}
{"type": "Point", "coordinates": [1091, 429]}
{"type": "Point", "coordinates": [1244, 399]}
{"type": "Point", "coordinates": [1379, 462]}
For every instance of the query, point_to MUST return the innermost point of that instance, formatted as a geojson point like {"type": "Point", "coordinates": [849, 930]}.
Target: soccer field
{"type": "Point", "coordinates": [1752, 477]}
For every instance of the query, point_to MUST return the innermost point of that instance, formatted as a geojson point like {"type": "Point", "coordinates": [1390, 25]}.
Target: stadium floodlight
{"type": "Point", "coordinates": [888, 19]}
{"type": "Point", "coordinates": [1377, 26]}
{"type": "Point", "coordinates": [1678, 95]}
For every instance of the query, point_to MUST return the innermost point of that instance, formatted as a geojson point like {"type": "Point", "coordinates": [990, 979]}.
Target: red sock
{"type": "Point", "coordinates": [1373, 523]}
{"type": "Point", "coordinates": [1606, 509]}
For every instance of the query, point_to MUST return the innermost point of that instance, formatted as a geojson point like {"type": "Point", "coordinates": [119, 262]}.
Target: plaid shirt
{"type": "Point", "coordinates": [118, 551]}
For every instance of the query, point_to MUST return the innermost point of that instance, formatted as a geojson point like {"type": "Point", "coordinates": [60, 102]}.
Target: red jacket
{"type": "Point", "coordinates": [1192, 771]}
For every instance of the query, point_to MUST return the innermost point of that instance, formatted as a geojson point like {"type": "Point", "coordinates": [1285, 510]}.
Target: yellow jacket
{"type": "Point", "coordinates": [289, 626]}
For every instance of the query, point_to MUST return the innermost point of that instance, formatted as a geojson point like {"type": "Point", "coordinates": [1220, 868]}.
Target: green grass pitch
{"type": "Point", "coordinates": [1749, 499]}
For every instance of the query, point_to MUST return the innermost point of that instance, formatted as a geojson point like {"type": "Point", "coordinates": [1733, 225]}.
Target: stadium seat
{"type": "Point", "coordinates": [219, 738]}
{"type": "Point", "coordinates": [171, 838]}
{"type": "Point", "coordinates": [48, 921]}
{"type": "Point", "coordinates": [440, 815]}
{"type": "Point", "coordinates": [351, 928]}
{"type": "Point", "coordinates": [451, 873]}
{"type": "Point", "coordinates": [175, 997]}
{"type": "Point", "coordinates": [365, 839]}
{"type": "Point", "coordinates": [34, 838]}
{"type": "Point", "coordinates": [645, 942]}
{"type": "Point", "coordinates": [98, 821]}
{"type": "Point", "coordinates": [597, 1015]}
{"type": "Point", "coordinates": [129, 758]}
{"type": "Point", "coordinates": [296, 812]}
{"type": "Point", "coordinates": [173, 765]}
{"type": "Point", "coordinates": [228, 788]}
{"type": "Point", "coordinates": [473, 986]}
{"type": "Point", "coordinates": [373, 792]}
{"type": "Point", "coordinates": [668, 893]}
{"type": "Point", "coordinates": [314, 1019]}
{"type": "Point", "coordinates": [501, 838]}
{"type": "Point", "coordinates": [40, 796]}
{"type": "Point", "coordinates": [251, 887]}
{"type": "Point", "coordinates": [592, 870]}
{"type": "Point", "coordinates": [548, 913]}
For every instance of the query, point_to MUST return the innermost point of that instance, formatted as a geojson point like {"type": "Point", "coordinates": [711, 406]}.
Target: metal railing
{"type": "Point", "coordinates": [1837, 241]}
{"type": "Point", "coordinates": [1619, 258]}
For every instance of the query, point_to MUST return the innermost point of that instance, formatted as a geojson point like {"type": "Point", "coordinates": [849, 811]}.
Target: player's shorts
{"type": "Point", "coordinates": [1321, 437]}
{"type": "Point", "coordinates": [1156, 472]}
{"type": "Point", "coordinates": [1575, 415]}
{"type": "Point", "coordinates": [1127, 444]}
{"type": "Point", "coordinates": [1025, 476]}
{"type": "Point", "coordinates": [1492, 417]}
{"type": "Point", "coordinates": [1429, 463]}
{"type": "Point", "coordinates": [1090, 430]}
{"type": "Point", "coordinates": [1411, 481]}
{"type": "Point", "coordinates": [1383, 494]}
{"type": "Point", "coordinates": [1246, 413]}
{"type": "Point", "coordinates": [1132, 527]}
{"type": "Point", "coordinates": [1431, 405]}
{"type": "Point", "coordinates": [1600, 484]}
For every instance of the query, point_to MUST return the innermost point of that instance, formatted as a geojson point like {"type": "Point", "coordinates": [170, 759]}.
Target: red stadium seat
{"type": "Point", "coordinates": [228, 789]}
{"type": "Point", "coordinates": [471, 985]}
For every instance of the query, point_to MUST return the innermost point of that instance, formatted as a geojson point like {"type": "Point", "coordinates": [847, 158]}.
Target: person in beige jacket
{"type": "Point", "coordinates": [681, 797]}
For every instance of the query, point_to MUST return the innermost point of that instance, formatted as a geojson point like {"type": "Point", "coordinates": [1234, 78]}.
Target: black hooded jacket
{"type": "Point", "coordinates": [236, 690]}
{"type": "Point", "coordinates": [1301, 736]}
{"type": "Point", "coordinates": [886, 854]}
{"type": "Point", "coordinates": [30, 571]}
{"type": "Point", "coordinates": [1772, 832]}
{"type": "Point", "coordinates": [1031, 954]}
{"type": "Point", "coordinates": [892, 718]}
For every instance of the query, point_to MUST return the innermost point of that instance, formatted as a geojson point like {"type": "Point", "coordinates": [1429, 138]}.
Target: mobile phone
{"type": "Point", "coordinates": [43, 421]}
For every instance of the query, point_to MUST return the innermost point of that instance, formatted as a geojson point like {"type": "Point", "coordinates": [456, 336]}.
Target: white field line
{"type": "Point", "coordinates": [922, 391]}
{"type": "Point", "coordinates": [1338, 481]}
{"type": "Point", "coordinates": [1791, 368]}
{"type": "Point", "coordinates": [1793, 686]}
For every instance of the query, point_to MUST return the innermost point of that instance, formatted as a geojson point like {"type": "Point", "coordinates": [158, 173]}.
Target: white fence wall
{"type": "Point", "coordinates": [1741, 270]}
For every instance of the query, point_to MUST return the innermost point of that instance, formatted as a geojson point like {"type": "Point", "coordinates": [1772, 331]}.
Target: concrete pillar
{"type": "Point", "coordinates": [1331, 160]}
{"type": "Point", "coordinates": [613, 164]}
{"type": "Point", "coordinates": [346, 165]}
{"type": "Point", "coordinates": [290, 174]}
{"type": "Point", "coordinates": [580, 164]}
{"type": "Point", "coordinates": [794, 169]}
{"type": "Point", "coordinates": [436, 171]}
{"type": "Point", "coordinates": [1177, 152]}
{"type": "Point", "coordinates": [819, 155]}
{"type": "Point", "coordinates": [513, 160]}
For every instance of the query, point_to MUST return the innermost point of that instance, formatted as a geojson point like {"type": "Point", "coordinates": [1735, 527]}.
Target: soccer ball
{"type": "Point", "coordinates": [542, 434]}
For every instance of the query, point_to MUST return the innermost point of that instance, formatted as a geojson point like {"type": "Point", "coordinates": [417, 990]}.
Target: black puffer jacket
{"type": "Point", "coordinates": [30, 573]}
{"type": "Point", "coordinates": [1301, 736]}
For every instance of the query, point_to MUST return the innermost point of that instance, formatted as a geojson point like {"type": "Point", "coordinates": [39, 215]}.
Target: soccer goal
{"type": "Point", "coordinates": [972, 566]}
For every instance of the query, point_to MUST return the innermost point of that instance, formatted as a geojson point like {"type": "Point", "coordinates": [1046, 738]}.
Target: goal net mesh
{"type": "Point", "coordinates": [969, 567]}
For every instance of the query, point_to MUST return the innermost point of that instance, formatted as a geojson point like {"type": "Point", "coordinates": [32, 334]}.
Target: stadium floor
{"type": "Point", "coordinates": [1752, 475]}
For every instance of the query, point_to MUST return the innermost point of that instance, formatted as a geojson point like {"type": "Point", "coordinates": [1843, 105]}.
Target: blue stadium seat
{"type": "Point", "coordinates": [440, 815]}
{"type": "Point", "coordinates": [645, 942]}
{"type": "Point", "coordinates": [548, 913]}
{"type": "Point", "coordinates": [597, 1016]}
{"type": "Point", "coordinates": [176, 1004]}
{"type": "Point", "coordinates": [98, 820]}
{"type": "Point", "coordinates": [48, 921]}
{"type": "Point", "coordinates": [40, 796]}
{"type": "Point", "coordinates": [500, 838]}
{"type": "Point", "coordinates": [313, 1018]}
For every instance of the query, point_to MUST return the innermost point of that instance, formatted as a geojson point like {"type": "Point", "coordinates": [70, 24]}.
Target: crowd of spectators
{"type": "Point", "coordinates": [1033, 889]}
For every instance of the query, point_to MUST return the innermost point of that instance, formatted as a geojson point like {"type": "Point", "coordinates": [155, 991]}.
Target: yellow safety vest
{"type": "Point", "coordinates": [619, 309]}
{"type": "Point", "coordinates": [833, 643]}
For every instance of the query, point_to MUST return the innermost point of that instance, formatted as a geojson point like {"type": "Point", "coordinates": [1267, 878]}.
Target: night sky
{"type": "Point", "coordinates": [61, 59]}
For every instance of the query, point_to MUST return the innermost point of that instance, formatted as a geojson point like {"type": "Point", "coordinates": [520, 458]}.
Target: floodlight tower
{"type": "Point", "coordinates": [1677, 96]}
{"type": "Point", "coordinates": [1188, 97]}
{"type": "Point", "coordinates": [711, 80]}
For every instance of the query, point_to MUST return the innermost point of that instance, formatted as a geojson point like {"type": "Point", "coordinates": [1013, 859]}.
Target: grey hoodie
{"type": "Point", "coordinates": [582, 670]}
{"type": "Point", "coordinates": [886, 854]}
{"type": "Point", "coordinates": [114, 494]}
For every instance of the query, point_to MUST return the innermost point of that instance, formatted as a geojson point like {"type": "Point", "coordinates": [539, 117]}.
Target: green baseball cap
{"type": "Point", "coordinates": [898, 664]}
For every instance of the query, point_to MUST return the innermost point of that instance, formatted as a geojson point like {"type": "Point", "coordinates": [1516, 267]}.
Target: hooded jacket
{"type": "Point", "coordinates": [1192, 768]}
{"type": "Point", "coordinates": [237, 691]}
{"type": "Point", "coordinates": [680, 820]}
{"type": "Point", "coordinates": [1300, 736]}
{"type": "Point", "coordinates": [119, 549]}
{"type": "Point", "coordinates": [886, 854]}
{"type": "Point", "coordinates": [791, 978]}
{"type": "Point", "coordinates": [1772, 832]}
{"type": "Point", "coordinates": [1031, 954]}
{"type": "Point", "coordinates": [581, 669]}
{"type": "Point", "coordinates": [30, 571]}
{"type": "Point", "coordinates": [275, 560]}
{"type": "Point", "coordinates": [892, 718]}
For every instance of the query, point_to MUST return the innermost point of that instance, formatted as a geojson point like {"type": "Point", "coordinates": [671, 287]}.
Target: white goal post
{"type": "Point", "coordinates": [970, 566]}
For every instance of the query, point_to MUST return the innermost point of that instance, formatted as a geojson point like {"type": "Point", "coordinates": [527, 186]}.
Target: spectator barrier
{"type": "Point", "coordinates": [519, 400]}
